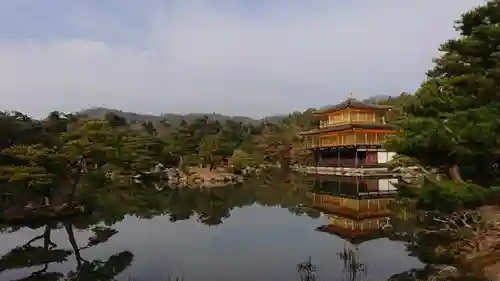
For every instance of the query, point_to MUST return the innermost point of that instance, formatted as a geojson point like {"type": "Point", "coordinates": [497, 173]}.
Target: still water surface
{"type": "Point", "coordinates": [251, 232]}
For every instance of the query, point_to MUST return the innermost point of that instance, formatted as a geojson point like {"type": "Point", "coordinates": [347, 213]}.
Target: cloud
{"type": "Point", "coordinates": [224, 56]}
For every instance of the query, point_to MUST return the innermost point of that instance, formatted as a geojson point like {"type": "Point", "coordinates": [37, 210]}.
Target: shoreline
{"type": "Point", "coordinates": [481, 252]}
{"type": "Point", "coordinates": [475, 256]}
{"type": "Point", "coordinates": [40, 214]}
{"type": "Point", "coordinates": [196, 177]}
{"type": "Point", "coordinates": [200, 177]}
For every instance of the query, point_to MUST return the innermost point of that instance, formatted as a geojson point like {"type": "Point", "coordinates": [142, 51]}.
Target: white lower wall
{"type": "Point", "coordinates": [384, 156]}
{"type": "Point", "coordinates": [387, 184]}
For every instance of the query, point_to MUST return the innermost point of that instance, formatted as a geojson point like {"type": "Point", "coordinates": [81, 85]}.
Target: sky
{"type": "Point", "coordinates": [235, 57]}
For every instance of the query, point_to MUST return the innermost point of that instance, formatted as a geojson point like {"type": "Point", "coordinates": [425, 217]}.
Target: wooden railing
{"type": "Point", "coordinates": [344, 142]}
{"type": "Point", "coordinates": [325, 124]}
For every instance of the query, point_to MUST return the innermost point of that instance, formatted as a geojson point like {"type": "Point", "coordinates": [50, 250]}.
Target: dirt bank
{"type": "Point", "coordinates": [481, 253]}
{"type": "Point", "coordinates": [203, 177]}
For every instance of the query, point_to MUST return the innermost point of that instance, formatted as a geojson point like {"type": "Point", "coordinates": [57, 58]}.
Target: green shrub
{"type": "Point", "coordinates": [448, 196]}
{"type": "Point", "coordinates": [240, 160]}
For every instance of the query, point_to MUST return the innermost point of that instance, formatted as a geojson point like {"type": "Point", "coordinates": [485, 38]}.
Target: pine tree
{"type": "Point", "coordinates": [453, 119]}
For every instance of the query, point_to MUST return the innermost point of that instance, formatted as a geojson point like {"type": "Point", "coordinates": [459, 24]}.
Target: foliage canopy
{"type": "Point", "coordinates": [452, 120]}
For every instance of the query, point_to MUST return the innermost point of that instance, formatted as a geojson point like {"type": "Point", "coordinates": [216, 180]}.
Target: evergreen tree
{"type": "Point", "coordinates": [453, 119]}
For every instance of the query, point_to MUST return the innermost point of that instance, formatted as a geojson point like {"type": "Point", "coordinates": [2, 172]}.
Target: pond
{"type": "Point", "coordinates": [257, 231]}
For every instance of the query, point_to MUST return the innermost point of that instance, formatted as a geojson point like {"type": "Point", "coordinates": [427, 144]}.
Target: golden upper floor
{"type": "Point", "coordinates": [352, 111]}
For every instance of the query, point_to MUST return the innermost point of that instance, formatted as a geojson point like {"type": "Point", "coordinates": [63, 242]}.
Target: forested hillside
{"type": "Point", "coordinates": [174, 119]}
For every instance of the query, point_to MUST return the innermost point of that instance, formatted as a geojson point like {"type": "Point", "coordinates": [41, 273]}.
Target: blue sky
{"type": "Point", "coordinates": [236, 57]}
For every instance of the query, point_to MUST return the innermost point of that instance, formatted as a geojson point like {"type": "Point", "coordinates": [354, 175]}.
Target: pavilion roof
{"type": "Point", "coordinates": [352, 103]}
{"type": "Point", "coordinates": [345, 127]}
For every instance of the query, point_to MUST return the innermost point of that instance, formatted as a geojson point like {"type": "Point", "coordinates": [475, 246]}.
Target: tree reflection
{"type": "Point", "coordinates": [103, 270]}
{"type": "Point", "coordinates": [210, 206]}
{"type": "Point", "coordinates": [307, 270]}
{"type": "Point", "coordinates": [213, 206]}
{"type": "Point", "coordinates": [27, 256]}
{"type": "Point", "coordinates": [353, 268]}
{"type": "Point", "coordinates": [111, 204]}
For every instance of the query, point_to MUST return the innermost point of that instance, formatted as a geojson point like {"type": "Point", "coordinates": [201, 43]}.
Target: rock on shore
{"type": "Point", "coordinates": [203, 177]}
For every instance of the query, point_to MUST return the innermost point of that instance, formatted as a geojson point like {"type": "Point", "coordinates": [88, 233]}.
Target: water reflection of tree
{"type": "Point", "coordinates": [112, 203]}
{"type": "Point", "coordinates": [307, 270]}
{"type": "Point", "coordinates": [212, 206]}
{"type": "Point", "coordinates": [27, 255]}
{"type": "Point", "coordinates": [406, 223]}
{"type": "Point", "coordinates": [353, 269]}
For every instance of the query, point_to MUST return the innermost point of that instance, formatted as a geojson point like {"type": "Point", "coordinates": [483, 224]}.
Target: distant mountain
{"type": "Point", "coordinates": [172, 118]}
{"type": "Point", "coordinates": [175, 119]}
{"type": "Point", "coordinates": [377, 98]}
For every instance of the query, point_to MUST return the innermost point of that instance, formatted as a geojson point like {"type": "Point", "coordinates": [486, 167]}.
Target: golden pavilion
{"type": "Point", "coordinates": [350, 134]}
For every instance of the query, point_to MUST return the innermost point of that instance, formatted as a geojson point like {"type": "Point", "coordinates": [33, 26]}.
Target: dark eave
{"type": "Point", "coordinates": [330, 129]}
{"type": "Point", "coordinates": [354, 236]}
{"type": "Point", "coordinates": [352, 103]}
{"type": "Point", "coordinates": [350, 213]}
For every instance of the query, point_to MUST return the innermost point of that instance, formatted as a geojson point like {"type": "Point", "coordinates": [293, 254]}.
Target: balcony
{"type": "Point", "coordinates": [348, 117]}
{"type": "Point", "coordinates": [360, 139]}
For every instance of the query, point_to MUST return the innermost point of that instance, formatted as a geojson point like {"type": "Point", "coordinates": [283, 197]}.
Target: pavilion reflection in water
{"type": "Point", "coordinates": [357, 207]}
